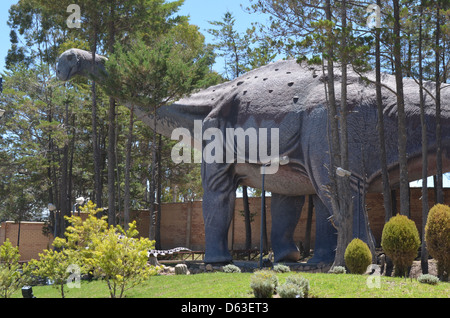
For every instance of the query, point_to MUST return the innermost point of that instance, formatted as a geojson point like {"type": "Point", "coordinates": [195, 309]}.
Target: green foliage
{"type": "Point", "coordinates": [338, 270]}
{"type": "Point", "coordinates": [400, 240]}
{"type": "Point", "coordinates": [230, 268]}
{"type": "Point", "coordinates": [264, 283]}
{"type": "Point", "coordinates": [301, 282]}
{"type": "Point", "coordinates": [9, 255]}
{"type": "Point", "coordinates": [110, 253]}
{"type": "Point", "coordinates": [281, 268]}
{"type": "Point", "coordinates": [290, 290]}
{"type": "Point", "coordinates": [11, 278]}
{"type": "Point", "coordinates": [153, 72]}
{"type": "Point", "coordinates": [54, 265]}
{"type": "Point", "coordinates": [357, 256]}
{"type": "Point", "coordinates": [437, 237]}
{"type": "Point", "coordinates": [428, 279]}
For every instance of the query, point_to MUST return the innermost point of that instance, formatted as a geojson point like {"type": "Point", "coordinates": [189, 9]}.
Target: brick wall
{"type": "Point", "coordinates": [32, 240]}
{"type": "Point", "coordinates": [182, 225]}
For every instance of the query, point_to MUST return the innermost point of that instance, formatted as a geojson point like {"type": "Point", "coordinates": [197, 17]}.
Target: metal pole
{"type": "Point", "coordinates": [263, 203]}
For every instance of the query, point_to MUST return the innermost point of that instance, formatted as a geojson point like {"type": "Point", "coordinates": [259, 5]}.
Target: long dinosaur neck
{"type": "Point", "coordinates": [168, 118]}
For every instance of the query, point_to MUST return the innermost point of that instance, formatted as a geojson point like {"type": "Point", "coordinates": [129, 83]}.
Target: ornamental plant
{"type": "Point", "coordinates": [437, 236]}
{"type": "Point", "coordinates": [357, 256]}
{"type": "Point", "coordinates": [264, 283]}
{"type": "Point", "coordinates": [110, 253]}
{"type": "Point", "coordinates": [55, 265]}
{"type": "Point", "coordinates": [11, 278]}
{"type": "Point", "coordinates": [400, 240]}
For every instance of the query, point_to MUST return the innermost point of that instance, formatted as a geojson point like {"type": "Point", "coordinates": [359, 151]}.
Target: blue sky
{"type": "Point", "coordinates": [200, 12]}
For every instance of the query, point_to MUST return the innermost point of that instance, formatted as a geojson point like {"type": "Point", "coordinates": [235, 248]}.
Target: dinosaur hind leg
{"type": "Point", "coordinates": [285, 216]}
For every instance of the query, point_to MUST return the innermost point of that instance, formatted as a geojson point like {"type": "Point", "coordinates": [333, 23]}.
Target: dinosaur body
{"type": "Point", "coordinates": [291, 98]}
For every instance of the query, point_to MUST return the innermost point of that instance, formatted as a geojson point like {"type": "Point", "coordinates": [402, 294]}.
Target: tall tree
{"type": "Point", "coordinates": [402, 138]}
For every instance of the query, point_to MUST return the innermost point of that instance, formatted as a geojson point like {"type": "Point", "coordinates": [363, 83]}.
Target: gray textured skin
{"type": "Point", "coordinates": [292, 97]}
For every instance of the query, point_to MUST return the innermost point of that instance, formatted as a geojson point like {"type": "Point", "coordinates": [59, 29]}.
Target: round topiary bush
{"type": "Point", "coordinates": [400, 240]}
{"type": "Point", "coordinates": [437, 236]}
{"type": "Point", "coordinates": [357, 256]}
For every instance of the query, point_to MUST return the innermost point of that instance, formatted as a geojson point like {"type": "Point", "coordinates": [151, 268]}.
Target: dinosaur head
{"type": "Point", "coordinates": [78, 62]}
{"type": "Point", "coordinates": [68, 65]}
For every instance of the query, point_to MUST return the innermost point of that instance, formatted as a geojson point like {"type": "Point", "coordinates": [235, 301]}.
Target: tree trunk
{"type": "Point", "coordinates": [112, 162]}
{"type": "Point", "coordinates": [439, 171]}
{"type": "Point", "coordinates": [112, 130]}
{"type": "Point", "coordinates": [158, 196]}
{"type": "Point", "coordinates": [402, 137]}
{"type": "Point", "coordinates": [95, 141]}
{"type": "Point", "coordinates": [384, 168]}
{"type": "Point", "coordinates": [425, 207]}
{"type": "Point", "coordinates": [126, 204]}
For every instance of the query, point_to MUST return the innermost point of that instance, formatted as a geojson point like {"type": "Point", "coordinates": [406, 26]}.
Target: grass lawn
{"type": "Point", "coordinates": [226, 285]}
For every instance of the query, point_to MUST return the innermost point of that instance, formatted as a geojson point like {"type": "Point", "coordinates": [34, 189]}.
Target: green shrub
{"type": "Point", "coordinates": [290, 290]}
{"type": "Point", "coordinates": [437, 236]}
{"type": "Point", "coordinates": [11, 277]}
{"type": "Point", "coordinates": [264, 283]}
{"type": "Point", "coordinates": [230, 268]}
{"type": "Point", "coordinates": [281, 268]}
{"type": "Point", "coordinates": [400, 240]}
{"type": "Point", "coordinates": [428, 279]}
{"type": "Point", "coordinates": [338, 270]}
{"type": "Point", "coordinates": [301, 282]}
{"type": "Point", "coordinates": [357, 256]}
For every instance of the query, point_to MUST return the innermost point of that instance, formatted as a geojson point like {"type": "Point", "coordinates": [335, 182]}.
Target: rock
{"type": "Point", "coordinates": [181, 269]}
{"type": "Point", "coordinates": [209, 268]}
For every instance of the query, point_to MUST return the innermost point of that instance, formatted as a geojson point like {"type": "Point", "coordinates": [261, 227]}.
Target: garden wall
{"type": "Point", "coordinates": [182, 225]}
{"type": "Point", "coordinates": [32, 240]}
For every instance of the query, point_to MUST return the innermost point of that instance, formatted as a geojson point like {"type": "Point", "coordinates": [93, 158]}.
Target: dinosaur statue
{"type": "Point", "coordinates": [291, 97]}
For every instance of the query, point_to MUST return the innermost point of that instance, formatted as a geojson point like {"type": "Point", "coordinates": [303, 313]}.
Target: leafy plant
{"type": "Point", "coordinates": [11, 278]}
{"type": "Point", "coordinates": [437, 236]}
{"type": "Point", "coordinates": [54, 265]}
{"type": "Point", "coordinates": [301, 282]}
{"type": "Point", "coordinates": [400, 240]}
{"type": "Point", "coordinates": [264, 283]}
{"type": "Point", "coordinates": [338, 270]}
{"type": "Point", "coordinates": [290, 290]}
{"type": "Point", "coordinates": [281, 268]}
{"type": "Point", "coordinates": [357, 256]}
{"type": "Point", "coordinates": [230, 268]}
{"type": "Point", "coordinates": [110, 253]}
{"type": "Point", "coordinates": [428, 279]}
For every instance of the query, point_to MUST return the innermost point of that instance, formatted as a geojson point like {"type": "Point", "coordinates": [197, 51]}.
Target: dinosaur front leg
{"type": "Point", "coordinates": [285, 212]}
{"type": "Point", "coordinates": [326, 234]}
{"type": "Point", "coordinates": [218, 208]}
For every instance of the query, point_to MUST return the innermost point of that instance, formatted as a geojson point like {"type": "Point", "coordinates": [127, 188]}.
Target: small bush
{"type": "Point", "coordinates": [400, 240]}
{"type": "Point", "coordinates": [301, 282]}
{"type": "Point", "coordinates": [338, 270]}
{"type": "Point", "coordinates": [281, 268]}
{"type": "Point", "coordinates": [437, 236]}
{"type": "Point", "coordinates": [290, 290]}
{"type": "Point", "coordinates": [357, 256]}
{"type": "Point", "coordinates": [230, 268]}
{"type": "Point", "coordinates": [264, 283]}
{"type": "Point", "coordinates": [428, 279]}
